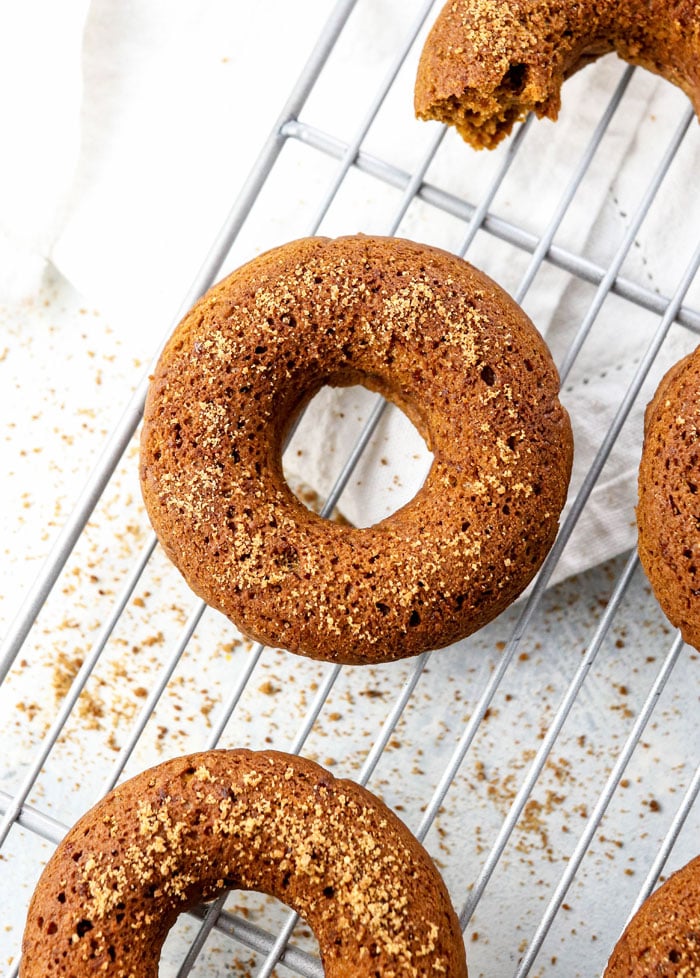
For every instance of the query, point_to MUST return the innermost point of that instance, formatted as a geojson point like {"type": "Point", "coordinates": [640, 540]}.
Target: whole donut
{"type": "Point", "coordinates": [663, 937]}
{"type": "Point", "coordinates": [195, 826]}
{"type": "Point", "coordinates": [668, 512]}
{"type": "Point", "coordinates": [435, 336]}
{"type": "Point", "coordinates": [487, 64]}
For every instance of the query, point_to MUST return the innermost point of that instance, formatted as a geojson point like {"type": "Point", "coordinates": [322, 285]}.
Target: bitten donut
{"type": "Point", "coordinates": [439, 339]}
{"type": "Point", "coordinates": [663, 937]}
{"type": "Point", "coordinates": [488, 63]}
{"type": "Point", "coordinates": [668, 512]}
{"type": "Point", "coordinates": [196, 826]}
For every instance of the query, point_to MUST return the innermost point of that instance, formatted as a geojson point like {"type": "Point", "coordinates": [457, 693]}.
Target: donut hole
{"type": "Point", "coordinates": [391, 468]}
{"type": "Point", "coordinates": [254, 906]}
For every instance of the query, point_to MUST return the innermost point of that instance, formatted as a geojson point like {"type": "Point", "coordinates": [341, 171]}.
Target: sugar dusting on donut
{"type": "Point", "coordinates": [432, 334]}
{"type": "Point", "coordinates": [195, 826]}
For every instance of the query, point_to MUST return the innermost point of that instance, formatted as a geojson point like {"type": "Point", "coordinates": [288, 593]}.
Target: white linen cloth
{"type": "Point", "coordinates": [133, 123]}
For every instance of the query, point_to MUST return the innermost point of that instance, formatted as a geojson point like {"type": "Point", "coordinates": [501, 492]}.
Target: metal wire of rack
{"type": "Point", "coordinates": [523, 933]}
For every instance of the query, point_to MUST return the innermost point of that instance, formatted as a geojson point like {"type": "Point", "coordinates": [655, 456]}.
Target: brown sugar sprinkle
{"type": "Point", "coordinates": [65, 670]}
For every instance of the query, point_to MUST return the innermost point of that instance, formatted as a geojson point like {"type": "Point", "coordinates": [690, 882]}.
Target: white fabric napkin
{"type": "Point", "coordinates": [134, 124]}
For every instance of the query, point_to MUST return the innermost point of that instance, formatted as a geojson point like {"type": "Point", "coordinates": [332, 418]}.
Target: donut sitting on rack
{"type": "Point", "coordinates": [435, 336]}
{"type": "Point", "coordinates": [196, 826]}
{"type": "Point", "coordinates": [486, 64]}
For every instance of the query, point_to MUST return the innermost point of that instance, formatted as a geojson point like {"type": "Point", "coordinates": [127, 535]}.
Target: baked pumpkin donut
{"type": "Point", "coordinates": [663, 939]}
{"type": "Point", "coordinates": [432, 334]}
{"type": "Point", "coordinates": [668, 512]}
{"type": "Point", "coordinates": [195, 826]}
{"type": "Point", "coordinates": [488, 63]}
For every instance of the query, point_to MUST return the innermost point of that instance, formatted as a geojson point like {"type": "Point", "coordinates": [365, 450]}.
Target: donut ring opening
{"type": "Point", "coordinates": [487, 65]}
{"type": "Point", "coordinates": [433, 335]}
{"type": "Point", "coordinates": [194, 827]}
{"type": "Point", "coordinates": [395, 445]}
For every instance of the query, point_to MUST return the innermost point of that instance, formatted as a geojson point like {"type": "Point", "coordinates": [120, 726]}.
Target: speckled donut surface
{"type": "Point", "coordinates": [668, 513]}
{"type": "Point", "coordinates": [487, 63]}
{"type": "Point", "coordinates": [196, 826]}
{"type": "Point", "coordinates": [663, 938]}
{"type": "Point", "coordinates": [435, 336]}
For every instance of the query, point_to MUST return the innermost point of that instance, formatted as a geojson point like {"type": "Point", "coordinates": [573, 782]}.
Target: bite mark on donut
{"type": "Point", "coordinates": [486, 64]}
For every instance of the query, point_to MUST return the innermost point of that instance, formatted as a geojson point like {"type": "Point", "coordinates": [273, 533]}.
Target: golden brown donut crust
{"type": "Point", "coordinates": [198, 825]}
{"type": "Point", "coordinates": [668, 512]}
{"type": "Point", "coordinates": [487, 63]}
{"type": "Point", "coordinates": [435, 336]}
{"type": "Point", "coordinates": [663, 938]}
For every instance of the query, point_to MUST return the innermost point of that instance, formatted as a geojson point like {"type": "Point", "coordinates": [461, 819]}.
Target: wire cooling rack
{"type": "Point", "coordinates": [549, 763]}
